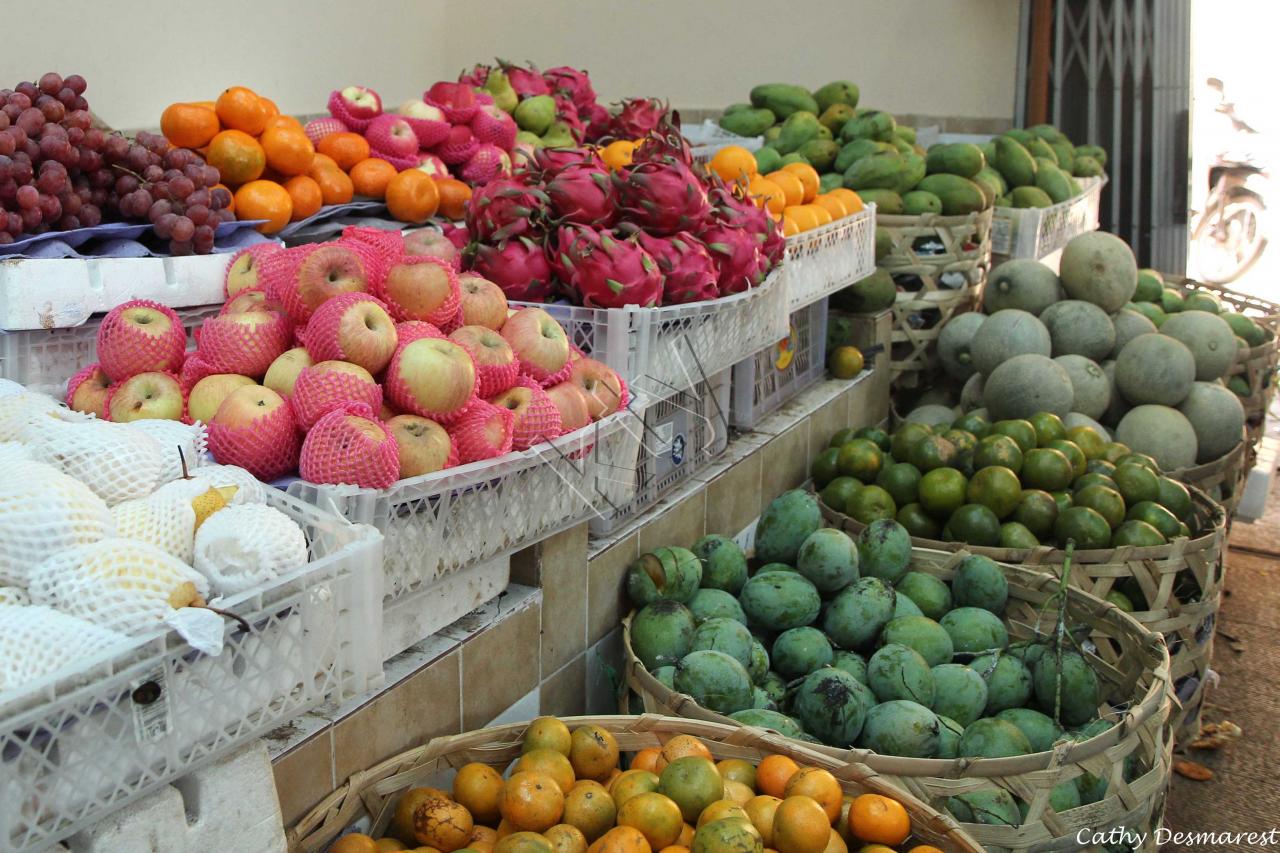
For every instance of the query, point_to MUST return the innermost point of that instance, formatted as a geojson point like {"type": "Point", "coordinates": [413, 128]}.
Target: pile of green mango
{"type": "Point", "coordinates": [1038, 166]}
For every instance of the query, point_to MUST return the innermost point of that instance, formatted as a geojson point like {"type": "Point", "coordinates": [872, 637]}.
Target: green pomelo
{"type": "Point", "coordinates": [1216, 416]}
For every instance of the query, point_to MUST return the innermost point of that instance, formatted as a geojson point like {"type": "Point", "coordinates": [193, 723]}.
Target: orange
{"type": "Point", "coordinates": [736, 791]}
{"type": "Point", "coordinates": [760, 810]}
{"type": "Point", "coordinates": [546, 732]}
{"type": "Point", "coordinates": [824, 215]}
{"type": "Point", "coordinates": [686, 836]}
{"type": "Point", "coordinates": [265, 200]}
{"type": "Point", "coordinates": [566, 839]}
{"type": "Point", "coordinates": [402, 821]}
{"type": "Point", "coordinates": [283, 121]}
{"type": "Point", "coordinates": [790, 185]}
{"type": "Point", "coordinates": [504, 829]}
{"type": "Point", "coordinates": [924, 848]}
{"type": "Point", "coordinates": [646, 759]}
{"type": "Point", "coordinates": [618, 153]}
{"type": "Point", "coordinates": [789, 226]}
{"type": "Point", "coordinates": [371, 175]}
{"type": "Point", "coordinates": [820, 786]}
{"type": "Point", "coordinates": [442, 824]}
{"type": "Point", "coordinates": [803, 215]}
{"type": "Point", "coordinates": [477, 786]}
{"type": "Point", "coordinates": [482, 835]}
{"type": "Point", "coordinates": [656, 816]}
{"type": "Point", "coordinates": [288, 150]}
{"type": "Point", "coordinates": [733, 163]}
{"type": "Point", "coordinates": [877, 818]}
{"type": "Point", "coordinates": [808, 177]}
{"type": "Point", "coordinates": [454, 195]}
{"type": "Point", "coordinates": [675, 848]}
{"type": "Point", "coordinates": [767, 194]}
{"type": "Point", "coordinates": [835, 844]}
{"type": "Point", "coordinates": [306, 196]}
{"type": "Point", "coordinates": [189, 125]}
{"type": "Point", "coordinates": [852, 201]}
{"type": "Point", "coordinates": [523, 842]}
{"type": "Point", "coordinates": [593, 750]}
{"type": "Point", "coordinates": [631, 784]}
{"type": "Point", "coordinates": [801, 826]}
{"type": "Point", "coordinates": [322, 161]}
{"type": "Point", "coordinates": [270, 106]}
{"type": "Point", "coordinates": [738, 770]}
{"type": "Point", "coordinates": [346, 148]}
{"type": "Point", "coordinates": [389, 845]}
{"type": "Point", "coordinates": [240, 108]}
{"type": "Point", "coordinates": [590, 808]}
{"type": "Point", "coordinates": [621, 839]}
{"type": "Point", "coordinates": [681, 746]}
{"type": "Point", "coordinates": [532, 801]}
{"type": "Point", "coordinates": [412, 197]}
{"type": "Point", "coordinates": [237, 156]}
{"type": "Point", "coordinates": [773, 773]}
{"type": "Point", "coordinates": [832, 205]}
{"type": "Point", "coordinates": [356, 842]}
{"type": "Point", "coordinates": [550, 762]}
{"type": "Point", "coordinates": [721, 809]}
{"type": "Point", "coordinates": [335, 186]}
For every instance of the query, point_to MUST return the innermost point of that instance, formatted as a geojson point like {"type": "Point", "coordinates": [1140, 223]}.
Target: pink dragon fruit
{"type": "Point", "coordinates": [689, 272]}
{"type": "Point", "coordinates": [506, 208]}
{"type": "Point", "coordinates": [583, 194]}
{"type": "Point", "coordinates": [638, 117]}
{"type": "Point", "coordinates": [663, 197]}
{"type": "Point", "coordinates": [549, 162]}
{"type": "Point", "coordinates": [476, 77]}
{"type": "Point", "coordinates": [526, 81]}
{"type": "Point", "coordinates": [458, 235]}
{"type": "Point", "coordinates": [742, 212]}
{"type": "Point", "coordinates": [518, 266]}
{"type": "Point", "coordinates": [493, 126]}
{"type": "Point", "coordinates": [599, 121]}
{"type": "Point", "coordinates": [662, 143]}
{"type": "Point", "coordinates": [567, 114]}
{"type": "Point", "coordinates": [573, 82]}
{"type": "Point", "coordinates": [608, 270]}
{"type": "Point", "coordinates": [485, 165]}
{"type": "Point", "coordinates": [742, 265]}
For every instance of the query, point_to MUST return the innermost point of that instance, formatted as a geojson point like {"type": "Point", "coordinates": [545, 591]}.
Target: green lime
{"type": "Point", "coordinates": [1047, 468]}
{"type": "Point", "coordinates": [1106, 502]}
{"type": "Point", "coordinates": [1100, 466]}
{"type": "Point", "coordinates": [1138, 533]}
{"type": "Point", "coordinates": [1139, 458]}
{"type": "Point", "coordinates": [1157, 516]}
{"type": "Point", "coordinates": [1115, 451]}
{"type": "Point", "coordinates": [871, 503]}
{"type": "Point", "coordinates": [942, 492]}
{"type": "Point", "coordinates": [1020, 431]}
{"type": "Point", "coordinates": [998, 450]}
{"type": "Point", "coordinates": [1048, 426]}
{"type": "Point", "coordinates": [1084, 526]}
{"type": "Point", "coordinates": [843, 437]}
{"type": "Point", "coordinates": [963, 441]}
{"type": "Point", "coordinates": [974, 524]}
{"type": "Point", "coordinates": [1119, 599]}
{"type": "Point", "coordinates": [1175, 498]}
{"type": "Point", "coordinates": [931, 452]}
{"type": "Point", "coordinates": [974, 423]}
{"type": "Point", "coordinates": [879, 436]}
{"type": "Point", "coordinates": [918, 523]}
{"type": "Point", "coordinates": [1062, 499]}
{"type": "Point", "coordinates": [1036, 511]}
{"type": "Point", "coordinates": [1136, 483]}
{"type": "Point", "coordinates": [825, 467]}
{"type": "Point", "coordinates": [901, 480]}
{"type": "Point", "coordinates": [995, 487]}
{"type": "Point", "coordinates": [1015, 535]}
{"type": "Point", "coordinates": [1091, 479]}
{"type": "Point", "coordinates": [1089, 441]}
{"type": "Point", "coordinates": [905, 438]}
{"type": "Point", "coordinates": [1073, 453]}
{"type": "Point", "coordinates": [836, 494]}
{"type": "Point", "coordinates": [860, 458]}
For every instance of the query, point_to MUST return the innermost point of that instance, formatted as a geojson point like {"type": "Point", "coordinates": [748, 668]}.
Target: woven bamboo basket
{"type": "Point", "coordinates": [369, 798]}
{"type": "Point", "coordinates": [1133, 666]}
{"type": "Point", "coordinates": [940, 264]}
{"type": "Point", "coordinates": [1181, 585]}
{"type": "Point", "coordinates": [1223, 478]}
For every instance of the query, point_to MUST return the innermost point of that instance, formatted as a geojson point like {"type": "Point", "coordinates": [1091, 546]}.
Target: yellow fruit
{"type": "Point", "coordinates": [767, 194]}
{"type": "Point", "coordinates": [790, 184]}
{"type": "Point", "coordinates": [211, 501]}
{"type": "Point", "coordinates": [808, 177]}
{"type": "Point", "coordinates": [832, 205]}
{"type": "Point", "coordinates": [732, 163]}
{"type": "Point", "coordinates": [803, 215]}
{"type": "Point", "coordinates": [789, 226]}
{"type": "Point", "coordinates": [852, 201]}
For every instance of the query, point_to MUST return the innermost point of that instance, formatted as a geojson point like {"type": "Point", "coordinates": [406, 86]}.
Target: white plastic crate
{"type": "Point", "coordinates": [44, 359]}
{"type": "Point", "coordinates": [95, 736]}
{"type": "Point", "coordinates": [826, 259]}
{"type": "Point", "coordinates": [681, 433]}
{"type": "Point", "coordinates": [771, 377]}
{"type": "Point", "coordinates": [660, 350]}
{"type": "Point", "coordinates": [1037, 232]}
{"type": "Point", "coordinates": [437, 524]}
{"type": "Point", "coordinates": [707, 138]}
{"type": "Point", "coordinates": [59, 293]}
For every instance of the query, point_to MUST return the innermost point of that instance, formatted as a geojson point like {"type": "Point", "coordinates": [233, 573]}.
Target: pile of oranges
{"type": "Point", "coordinates": [791, 193]}
{"type": "Point", "coordinates": [277, 174]}
{"type": "Point", "coordinates": [567, 794]}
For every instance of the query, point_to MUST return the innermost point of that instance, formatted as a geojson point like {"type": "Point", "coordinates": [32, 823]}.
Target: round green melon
{"type": "Point", "coordinates": [1021, 283]}
{"type": "Point", "coordinates": [1217, 418]}
{"type": "Point", "coordinates": [971, 393]}
{"type": "Point", "coordinates": [1090, 387]}
{"type": "Point", "coordinates": [1026, 384]}
{"type": "Point", "coordinates": [1005, 335]}
{"type": "Point", "coordinates": [1079, 328]}
{"type": "Point", "coordinates": [953, 344]}
{"type": "Point", "coordinates": [1100, 268]}
{"type": "Point", "coordinates": [1129, 325]}
{"type": "Point", "coordinates": [1162, 433]}
{"type": "Point", "coordinates": [1210, 339]}
{"type": "Point", "coordinates": [1156, 369]}
{"type": "Point", "coordinates": [931, 414]}
{"type": "Point", "coordinates": [1150, 285]}
{"type": "Point", "coordinates": [1118, 405]}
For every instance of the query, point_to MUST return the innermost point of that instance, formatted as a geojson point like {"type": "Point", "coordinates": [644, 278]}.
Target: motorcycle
{"type": "Point", "coordinates": [1231, 233]}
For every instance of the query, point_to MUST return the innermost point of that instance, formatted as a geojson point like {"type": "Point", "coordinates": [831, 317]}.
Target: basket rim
{"type": "Point", "coordinates": [1204, 469]}
{"type": "Point", "coordinates": [901, 220]}
{"type": "Point", "coordinates": [844, 223]}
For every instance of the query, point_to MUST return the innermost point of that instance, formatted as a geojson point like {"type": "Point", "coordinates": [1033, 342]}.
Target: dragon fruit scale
{"type": "Point", "coordinates": [599, 121]}
{"type": "Point", "coordinates": [742, 265]}
{"type": "Point", "coordinates": [663, 196]}
{"type": "Point", "coordinates": [549, 162]}
{"type": "Point", "coordinates": [739, 211]}
{"type": "Point", "coordinates": [638, 117]}
{"type": "Point", "coordinates": [573, 82]}
{"type": "Point", "coordinates": [527, 82]}
{"type": "Point", "coordinates": [608, 270]}
{"type": "Point", "coordinates": [690, 273]}
{"type": "Point", "coordinates": [505, 208]}
{"type": "Point", "coordinates": [583, 194]}
{"type": "Point", "coordinates": [518, 266]}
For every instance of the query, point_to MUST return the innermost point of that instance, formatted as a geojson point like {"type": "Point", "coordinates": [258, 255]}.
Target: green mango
{"type": "Point", "coordinates": [958, 195]}
{"type": "Point", "coordinates": [797, 129]}
{"type": "Point", "coordinates": [843, 92]}
{"type": "Point", "coordinates": [853, 151]}
{"type": "Point", "coordinates": [874, 124]}
{"type": "Point", "coordinates": [783, 99]}
{"type": "Point", "coordinates": [879, 171]}
{"type": "Point", "coordinates": [835, 116]}
{"type": "Point", "coordinates": [1030, 197]}
{"type": "Point", "coordinates": [821, 153]}
{"type": "Point", "coordinates": [960, 158]}
{"type": "Point", "coordinates": [887, 202]}
{"type": "Point", "coordinates": [768, 159]}
{"type": "Point", "coordinates": [747, 122]}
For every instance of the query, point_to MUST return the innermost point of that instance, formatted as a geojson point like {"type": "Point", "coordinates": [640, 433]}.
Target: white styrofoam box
{"type": "Point", "coordinates": [409, 618]}
{"type": "Point", "coordinates": [771, 377]}
{"type": "Point", "coordinates": [58, 293]}
{"type": "Point", "coordinates": [1037, 232]}
{"type": "Point", "coordinates": [95, 736]}
{"type": "Point", "coordinates": [661, 350]}
{"type": "Point", "coordinates": [709, 137]}
{"type": "Point", "coordinates": [1253, 503]}
{"type": "Point", "coordinates": [44, 359]}
{"type": "Point", "coordinates": [824, 260]}
{"type": "Point", "coordinates": [437, 524]}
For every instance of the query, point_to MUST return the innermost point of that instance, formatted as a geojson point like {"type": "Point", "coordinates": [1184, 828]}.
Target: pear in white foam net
{"type": "Point", "coordinates": [39, 640]}
{"type": "Point", "coordinates": [18, 410]}
{"type": "Point", "coordinates": [14, 451]}
{"type": "Point", "coordinates": [166, 520]}
{"type": "Point", "coordinates": [117, 462]}
{"type": "Point", "coordinates": [172, 436]}
{"type": "Point", "coordinates": [42, 512]}
{"type": "Point", "coordinates": [13, 595]}
{"type": "Point", "coordinates": [240, 547]}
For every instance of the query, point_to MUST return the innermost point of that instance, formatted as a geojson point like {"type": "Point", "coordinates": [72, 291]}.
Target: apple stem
{"type": "Point", "coordinates": [182, 457]}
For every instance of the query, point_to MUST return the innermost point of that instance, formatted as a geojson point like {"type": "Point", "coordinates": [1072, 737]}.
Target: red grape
{"type": "Point", "coordinates": [75, 83]}
{"type": "Point", "coordinates": [159, 208]}
{"type": "Point", "coordinates": [93, 137]}
{"type": "Point", "coordinates": [219, 198]}
{"type": "Point", "coordinates": [183, 229]}
{"type": "Point", "coordinates": [116, 146]}
{"type": "Point", "coordinates": [18, 135]}
{"type": "Point", "coordinates": [71, 204]}
{"type": "Point", "coordinates": [80, 104]}
{"type": "Point", "coordinates": [80, 119]}
{"type": "Point", "coordinates": [5, 237]}
{"type": "Point", "coordinates": [50, 207]}
{"type": "Point", "coordinates": [30, 120]}
{"type": "Point", "coordinates": [8, 191]}
{"type": "Point", "coordinates": [200, 196]}
{"type": "Point", "coordinates": [4, 120]}
{"type": "Point", "coordinates": [164, 225]}
{"type": "Point", "coordinates": [6, 164]}
{"type": "Point", "coordinates": [51, 83]}
{"type": "Point", "coordinates": [28, 197]}
{"type": "Point", "coordinates": [198, 213]}
{"type": "Point", "coordinates": [98, 197]}
{"type": "Point", "coordinates": [15, 223]}
{"type": "Point", "coordinates": [203, 240]}
{"type": "Point", "coordinates": [21, 99]}
{"type": "Point", "coordinates": [75, 136]}
{"type": "Point", "coordinates": [31, 217]}
{"type": "Point", "coordinates": [90, 215]}
{"type": "Point", "coordinates": [181, 187]}
{"type": "Point", "coordinates": [66, 97]}
{"type": "Point", "coordinates": [180, 247]}
{"type": "Point", "coordinates": [53, 110]}
{"type": "Point", "coordinates": [6, 144]}
{"type": "Point", "coordinates": [68, 222]}
{"type": "Point", "coordinates": [21, 168]}
{"type": "Point", "coordinates": [126, 184]}
{"type": "Point", "coordinates": [89, 159]}
{"type": "Point", "coordinates": [152, 174]}
{"type": "Point", "coordinates": [11, 112]}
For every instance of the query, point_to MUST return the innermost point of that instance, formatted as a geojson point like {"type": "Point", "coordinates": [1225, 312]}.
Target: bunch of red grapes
{"type": "Point", "coordinates": [58, 172]}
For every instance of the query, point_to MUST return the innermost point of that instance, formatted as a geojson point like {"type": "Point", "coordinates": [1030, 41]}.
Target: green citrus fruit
{"type": "Point", "coordinates": [879, 436]}
{"type": "Point", "coordinates": [998, 450]}
{"type": "Point", "coordinates": [931, 452]}
{"type": "Point", "coordinates": [1037, 511]}
{"type": "Point", "coordinates": [836, 494]}
{"type": "Point", "coordinates": [1137, 483]}
{"type": "Point", "coordinates": [1073, 453]}
{"type": "Point", "coordinates": [860, 458]}
{"type": "Point", "coordinates": [995, 487]}
{"type": "Point", "coordinates": [974, 524]}
{"type": "Point", "coordinates": [1093, 445]}
{"type": "Point", "coordinates": [1108, 503]}
{"type": "Point", "coordinates": [1015, 535]}
{"type": "Point", "coordinates": [1084, 526]}
{"type": "Point", "coordinates": [1048, 426]}
{"type": "Point", "coordinates": [905, 438]}
{"type": "Point", "coordinates": [871, 503]}
{"type": "Point", "coordinates": [1047, 468]}
{"type": "Point", "coordinates": [1020, 431]}
{"type": "Point", "coordinates": [917, 522]}
{"type": "Point", "coordinates": [942, 492]}
{"type": "Point", "coordinates": [825, 467]}
{"type": "Point", "coordinates": [902, 481]}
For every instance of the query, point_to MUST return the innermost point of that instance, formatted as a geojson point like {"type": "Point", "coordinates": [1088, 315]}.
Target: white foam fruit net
{"type": "Point", "coordinates": [39, 640]}
{"type": "Point", "coordinates": [249, 489]}
{"type": "Point", "coordinates": [42, 512]}
{"type": "Point", "coordinates": [166, 520]}
{"type": "Point", "coordinates": [14, 451]}
{"type": "Point", "coordinates": [243, 546]}
{"type": "Point", "coordinates": [13, 595]}
{"type": "Point", "coordinates": [119, 463]}
{"type": "Point", "coordinates": [17, 410]}
{"type": "Point", "coordinates": [192, 438]}
{"type": "Point", "coordinates": [121, 584]}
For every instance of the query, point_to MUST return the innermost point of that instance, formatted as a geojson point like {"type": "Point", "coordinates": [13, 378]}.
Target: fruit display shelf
{"type": "Point", "coordinates": [775, 374]}
{"type": "Point", "coordinates": [662, 350]}
{"type": "Point", "coordinates": [97, 735]}
{"type": "Point", "coordinates": [823, 260]}
{"type": "Point", "coordinates": [1039, 232]}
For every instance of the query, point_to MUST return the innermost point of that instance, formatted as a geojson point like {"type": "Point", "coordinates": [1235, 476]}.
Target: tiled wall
{"type": "Point", "coordinates": [551, 644]}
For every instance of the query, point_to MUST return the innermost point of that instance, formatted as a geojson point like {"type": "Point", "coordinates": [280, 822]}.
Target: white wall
{"type": "Point", "coordinates": [933, 57]}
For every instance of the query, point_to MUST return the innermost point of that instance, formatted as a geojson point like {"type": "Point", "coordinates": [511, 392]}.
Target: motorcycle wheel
{"type": "Point", "coordinates": [1228, 245]}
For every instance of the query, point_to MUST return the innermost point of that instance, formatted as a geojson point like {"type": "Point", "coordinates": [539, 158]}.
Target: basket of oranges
{"type": "Point", "coordinates": [559, 786]}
